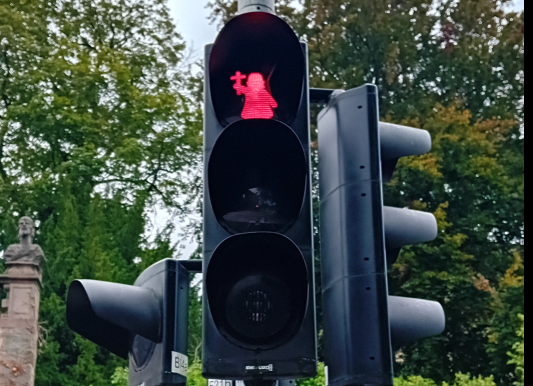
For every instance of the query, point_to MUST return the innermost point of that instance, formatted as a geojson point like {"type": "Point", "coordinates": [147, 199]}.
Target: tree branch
{"type": "Point", "coordinates": [5, 123]}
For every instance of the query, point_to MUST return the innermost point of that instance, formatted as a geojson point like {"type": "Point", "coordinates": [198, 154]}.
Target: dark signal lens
{"type": "Point", "coordinates": [257, 289]}
{"type": "Point", "coordinates": [258, 306]}
{"type": "Point", "coordinates": [257, 211]}
{"type": "Point", "coordinates": [257, 177]}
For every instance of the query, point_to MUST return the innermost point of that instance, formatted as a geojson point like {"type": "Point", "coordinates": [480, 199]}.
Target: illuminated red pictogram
{"type": "Point", "coordinates": [259, 103]}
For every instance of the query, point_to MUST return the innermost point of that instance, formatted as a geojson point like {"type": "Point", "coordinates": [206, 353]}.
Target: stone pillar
{"type": "Point", "coordinates": [19, 325]}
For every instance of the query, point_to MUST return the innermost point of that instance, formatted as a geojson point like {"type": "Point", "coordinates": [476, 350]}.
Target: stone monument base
{"type": "Point", "coordinates": [19, 328]}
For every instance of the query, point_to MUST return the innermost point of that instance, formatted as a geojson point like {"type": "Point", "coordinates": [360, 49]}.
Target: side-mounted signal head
{"type": "Point", "coordinates": [256, 70]}
{"type": "Point", "coordinates": [400, 141]}
{"type": "Point", "coordinates": [109, 313]}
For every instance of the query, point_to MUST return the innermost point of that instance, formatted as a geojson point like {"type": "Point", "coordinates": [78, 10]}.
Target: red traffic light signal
{"type": "Point", "coordinates": [259, 103]}
{"type": "Point", "coordinates": [256, 70]}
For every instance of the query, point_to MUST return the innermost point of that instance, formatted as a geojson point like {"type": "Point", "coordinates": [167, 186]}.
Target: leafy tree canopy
{"type": "Point", "coordinates": [456, 69]}
{"type": "Point", "coordinates": [98, 123]}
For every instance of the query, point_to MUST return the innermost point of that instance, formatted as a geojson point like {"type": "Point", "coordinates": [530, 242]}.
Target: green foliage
{"type": "Point", "coordinates": [99, 121]}
{"type": "Point", "coordinates": [469, 185]}
{"type": "Point", "coordinates": [120, 378]}
{"type": "Point", "coordinates": [194, 375]}
{"type": "Point", "coordinates": [319, 380]}
{"type": "Point", "coordinates": [518, 354]}
{"type": "Point", "coordinates": [413, 380]}
{"type": "Point", "coordinates": [456, 69]}
{"type": "Point", "coordinates": [507, 302]}
{"type": "Point", "coordinates": [468, 380]}
{"type": "Point", "coordinates": [96, 127]}
{"type": "Point", "coordinates": [195, 324]}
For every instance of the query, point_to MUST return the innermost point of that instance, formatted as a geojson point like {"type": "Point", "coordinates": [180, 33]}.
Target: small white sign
{"type": "Point", "coordinates": [220, 382]}
{"type": "Point", "coordinates": [180, 363]}
{"type": "Point", "coordinates": [269, 368]}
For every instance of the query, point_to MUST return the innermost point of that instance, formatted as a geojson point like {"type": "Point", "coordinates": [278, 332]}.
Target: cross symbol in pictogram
{"type": "Point", "coordinates": [239, 77]}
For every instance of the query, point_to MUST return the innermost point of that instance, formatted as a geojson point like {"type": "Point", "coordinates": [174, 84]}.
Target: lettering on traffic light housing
{"type": "Point", "coordinates": [264, 50]}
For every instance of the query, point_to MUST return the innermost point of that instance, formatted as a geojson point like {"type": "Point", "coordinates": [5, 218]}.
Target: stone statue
{"type": "Point", "coordinates": [25, 253]}
{"type": "Point", "coordinates": [19, 317]}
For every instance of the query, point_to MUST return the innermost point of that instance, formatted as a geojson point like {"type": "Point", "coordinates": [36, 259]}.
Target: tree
{"type": "Point", "coordinates": [120, 377]}
{"type": "Point", "coordinates": [464, 181]}
{"type": "Point", "coordinates": [459, 380]}
{"type": "Point", "coordinates": [98, 123]}
{"type": "Point", "coordinates": [455, 68]}
{"type": "Point", "coordinates": [518, 356]}
{"type": "Point", "coordinates": [507, 303]}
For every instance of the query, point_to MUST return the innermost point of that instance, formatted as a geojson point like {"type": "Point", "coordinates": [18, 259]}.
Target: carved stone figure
{"type": "Point", "coordinates": [26, 252]}
{"type": "Point", "coordinates": [19, 317]}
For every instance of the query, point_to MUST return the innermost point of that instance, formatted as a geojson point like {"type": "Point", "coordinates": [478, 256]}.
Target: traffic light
{"type": "Point", "coordinates": [259, 305]}
{"type": "Point", "coordinates": [363, 325]}
{"type": "Point", "coordinates": [146, 322]}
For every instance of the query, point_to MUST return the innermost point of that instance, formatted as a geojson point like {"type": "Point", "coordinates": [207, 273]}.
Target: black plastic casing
{"type": "Point", "coordinates": [170, 282]}
{"type": "Point", "coordinates": [147, 322]}
{"type": "Point", "coordinates": [363, 325]}
{"type": "Point", "coordinates": [296, 358]}
{"type": "Point", "coordinates": [354, 267]}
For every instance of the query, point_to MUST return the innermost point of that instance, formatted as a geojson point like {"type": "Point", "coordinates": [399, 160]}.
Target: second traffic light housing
{"type": "Point", "coordinates": [360, 237]}
{"type": "Point", "coordinates": [146, 323]}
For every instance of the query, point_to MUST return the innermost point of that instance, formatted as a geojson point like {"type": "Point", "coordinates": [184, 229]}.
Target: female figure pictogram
{"type": "Point", "coordinates": [259, 103]}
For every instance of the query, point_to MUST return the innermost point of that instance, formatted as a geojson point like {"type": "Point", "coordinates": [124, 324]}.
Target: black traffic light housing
{"type": "Point", "coordinates": [259, 306]}
{"type": "Point", "coordinates": [363, 325]}
{"type": "Point", "coordinates": [146, 322]}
